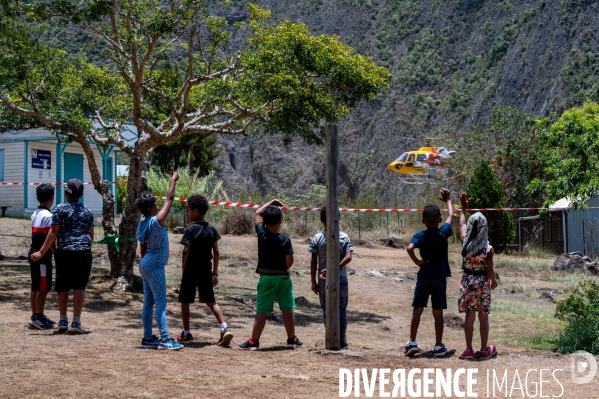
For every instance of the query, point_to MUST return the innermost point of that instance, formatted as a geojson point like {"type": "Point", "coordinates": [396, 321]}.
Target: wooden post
{"type": "Point", "coordinates": [332, 324]}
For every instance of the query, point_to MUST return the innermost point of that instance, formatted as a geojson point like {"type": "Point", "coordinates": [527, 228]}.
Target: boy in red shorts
{"type": "Point", "coordinates": [41, 270]}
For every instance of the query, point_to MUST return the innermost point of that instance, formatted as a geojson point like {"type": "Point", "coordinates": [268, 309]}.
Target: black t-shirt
{"type": "Point", "coordinates": [273, 249]}
{"type": "Point", "coordinates": [200, 237]}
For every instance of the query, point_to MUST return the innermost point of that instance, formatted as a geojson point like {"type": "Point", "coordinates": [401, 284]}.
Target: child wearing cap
{"type": "Point", "coordinates": [73, 229]}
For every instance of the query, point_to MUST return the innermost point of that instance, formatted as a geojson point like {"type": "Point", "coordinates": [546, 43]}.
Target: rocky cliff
{"type": "Point", "coordinates": [452, 63]}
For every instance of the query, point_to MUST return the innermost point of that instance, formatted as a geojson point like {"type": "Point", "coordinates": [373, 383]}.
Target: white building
{"type": "Point", "coordinates": [37, 156]}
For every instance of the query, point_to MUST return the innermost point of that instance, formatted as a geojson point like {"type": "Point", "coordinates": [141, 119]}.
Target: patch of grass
{"type": "Point", "coordinates": [519, 288]}
{"type": "Point", "coordinates": [543, 342]}
{"type": "Point", "coordinates": [521, 263]}
{"type": "Point", "coordinates": [534, 322]}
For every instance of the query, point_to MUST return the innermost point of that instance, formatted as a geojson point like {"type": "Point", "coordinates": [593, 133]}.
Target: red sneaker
{"type": "Point", "coordinates": [467, 355]}
{"type": "Point", "coordinates": [489, 353]}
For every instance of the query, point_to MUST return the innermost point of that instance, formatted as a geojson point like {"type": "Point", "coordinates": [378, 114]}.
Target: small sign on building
{"type": "Point", "coordinates": [41, 159]}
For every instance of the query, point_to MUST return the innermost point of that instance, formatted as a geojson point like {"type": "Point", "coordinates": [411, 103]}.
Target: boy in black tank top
{"type": "Point", "coordinates": [275, 257]}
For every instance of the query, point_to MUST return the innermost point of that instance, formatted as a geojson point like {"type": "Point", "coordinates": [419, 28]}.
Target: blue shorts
{"type": "Point", "coordinates": [435, 288]}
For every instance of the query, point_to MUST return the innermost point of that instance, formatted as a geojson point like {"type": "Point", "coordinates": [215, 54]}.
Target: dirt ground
{"type": "Point", "coordinates": [108, 363]}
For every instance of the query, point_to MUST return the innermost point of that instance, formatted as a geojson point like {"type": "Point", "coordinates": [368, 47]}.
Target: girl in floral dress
{"type": "Point", "coordinates": [478, 279]}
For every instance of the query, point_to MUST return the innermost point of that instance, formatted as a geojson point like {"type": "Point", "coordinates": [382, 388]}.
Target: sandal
{"type": "Point", "coordinates": [467, 355]}
{"type": "Point", "coordinates": [489, 353]}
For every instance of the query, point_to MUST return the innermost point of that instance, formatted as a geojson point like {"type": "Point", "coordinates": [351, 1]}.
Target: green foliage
{"type": "Point", "coordinates": [189, 183]}
{"type": "Point", "coordinates": [582, 303]}
{"type": "Point", "coordinates": [580, 75]}
{"type": "Point", "coordinates": [571, 148]}
{"type": "Point", "coordinates": [579, 335]}
{"type": "Point", "coordinates": [513, 145]}
{"type": "Point", "coordinates": [486, 192]}
{"type": "Point", "coordinates": [312, 78]}
{"type": "Point", "coordinates": [197, 152]}
{"type": "Point", "coordinates": [68, 90]}
{"type": "Point", "coordinates": [518, 157]}
{"type": "Point", "coordinates": [121, 193]}
{"type": "Point", "coordinates": [477, 145]}
{"type": "Point", "coordinates": [580, 309]}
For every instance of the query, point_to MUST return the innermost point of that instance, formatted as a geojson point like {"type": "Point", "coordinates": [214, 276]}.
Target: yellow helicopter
{"type": "Point", "coordinates": [425, 165]}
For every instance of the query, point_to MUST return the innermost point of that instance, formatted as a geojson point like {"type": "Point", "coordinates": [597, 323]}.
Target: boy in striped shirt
{"type": "Point", "coordinates": [41, 270]}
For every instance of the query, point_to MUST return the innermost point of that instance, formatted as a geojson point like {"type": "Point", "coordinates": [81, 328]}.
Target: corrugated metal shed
{"type": "Point", "coordinates": [582, 229]}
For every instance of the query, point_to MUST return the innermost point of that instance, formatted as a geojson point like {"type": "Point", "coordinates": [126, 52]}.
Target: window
{"type": "Point", "coordinates": [411, 158]}
{"type": "Point", "coordinates": [1, 165]}
{"type": "Point", "coordinates": [421, 157]}
{"type": "Point", "coordinates": [402, 157]}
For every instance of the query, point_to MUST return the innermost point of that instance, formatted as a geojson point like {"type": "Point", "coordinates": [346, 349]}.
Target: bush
{"type": "Point", "coordinates": [238, 223]}
{"type": "Point", "coordinates": [189, 183]}
{"type": "Point", "coordinates": [580, 309]}
{"type": "Point", "coordinates": [579, 335]}
{"type": "Point", "coordinates": [486, 192]}
{"type": "Point", "coordinates": [581, 304]}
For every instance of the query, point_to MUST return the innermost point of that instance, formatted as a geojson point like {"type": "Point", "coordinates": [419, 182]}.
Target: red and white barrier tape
{"type": "Point", "coordinates": [308, 208]}
{"type": "Point", "coordinates": [365, 210]}
{"type": "Point", "coordinates": [53, 183]}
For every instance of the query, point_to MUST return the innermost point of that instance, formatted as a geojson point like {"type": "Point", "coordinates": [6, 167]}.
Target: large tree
{"type": "Point", "coordinates": [197, 151]}
{"type": "Point", "coordinates": [571, 147]}
{"type": "Point", "coordinates": [285, 80]}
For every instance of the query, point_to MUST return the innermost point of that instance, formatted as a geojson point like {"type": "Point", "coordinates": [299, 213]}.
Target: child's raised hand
{"type": "Point", "coordinates": [174, 175]}
{"type": "Point", "coordinates": [464, 200]}
{"type": "Point", "coordinates": [277, 202]}
{"type": "Point", "coordinates": [445, 195]}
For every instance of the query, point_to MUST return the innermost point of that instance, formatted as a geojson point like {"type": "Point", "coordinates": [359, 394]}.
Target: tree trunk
{"type": "Point", "coordinates": [136, 185]}
{"type": "Point", "coordinates": [121, 263]}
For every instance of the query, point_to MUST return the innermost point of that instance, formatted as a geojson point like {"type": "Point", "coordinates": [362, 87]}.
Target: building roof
{"type": "Point", "coordinates": [129, 134]}
{"type": "Point", "coordinates": [563, 203]}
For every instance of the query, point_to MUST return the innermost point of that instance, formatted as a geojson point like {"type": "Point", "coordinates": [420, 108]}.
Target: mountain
{"type": "Point", "coordinates": [452, 63]}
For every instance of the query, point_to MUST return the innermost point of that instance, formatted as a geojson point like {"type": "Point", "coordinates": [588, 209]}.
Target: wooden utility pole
{"type": "Point", "coordinates": [332, 256]}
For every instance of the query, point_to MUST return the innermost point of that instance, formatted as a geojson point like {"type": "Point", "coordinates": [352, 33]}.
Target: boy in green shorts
{"type": "Point", "coordinates": [275, 257]}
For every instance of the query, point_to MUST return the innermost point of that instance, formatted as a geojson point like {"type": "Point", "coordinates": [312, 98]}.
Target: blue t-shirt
{"type": "Point", "coordinates": [432, 244]}
{"type": "Point", "coordinates": [155, 237]}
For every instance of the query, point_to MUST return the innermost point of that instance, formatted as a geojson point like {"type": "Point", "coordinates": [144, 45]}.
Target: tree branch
{"type": "Point", "coordinates": [30, 114]}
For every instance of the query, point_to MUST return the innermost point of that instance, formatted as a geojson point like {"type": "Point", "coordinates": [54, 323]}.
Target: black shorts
{"type": "Point", "coordinates": [41, 273]}
{"type": "Point", "coordinates": [435, 288]}
{"type": "Point", "coordinates": [200, 279]}
{"type": "Point", "coordinates": [73, 269]}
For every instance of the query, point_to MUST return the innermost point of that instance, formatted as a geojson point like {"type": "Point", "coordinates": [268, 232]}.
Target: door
{"type": "Point", "coordinates": [73, 167]}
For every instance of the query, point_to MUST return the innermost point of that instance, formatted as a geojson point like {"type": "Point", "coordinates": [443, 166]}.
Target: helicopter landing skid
{"type": "Point", "coordinates": [423, 179]}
